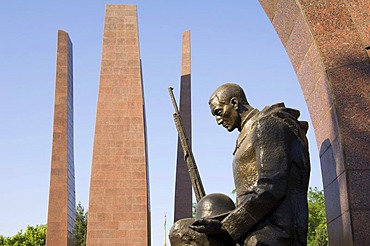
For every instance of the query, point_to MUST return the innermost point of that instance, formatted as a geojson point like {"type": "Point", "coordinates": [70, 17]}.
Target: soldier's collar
{"type": "Point", "coordinates": [243, 133]}
{"type": "Point", "coordinates": [248, 116]}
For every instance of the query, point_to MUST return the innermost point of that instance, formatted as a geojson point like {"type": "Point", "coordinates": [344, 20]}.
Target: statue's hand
{"type": "Point", "coordinates": [208, 226]}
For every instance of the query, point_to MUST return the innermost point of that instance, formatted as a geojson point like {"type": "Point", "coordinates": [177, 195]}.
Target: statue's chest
{"type": "Point", "coordinates": [245, 164]}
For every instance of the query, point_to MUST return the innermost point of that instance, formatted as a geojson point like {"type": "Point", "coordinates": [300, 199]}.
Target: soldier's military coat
{"type": "Point", "coordinates": [271, 172]}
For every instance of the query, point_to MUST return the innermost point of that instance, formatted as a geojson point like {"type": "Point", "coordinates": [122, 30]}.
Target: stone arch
{"type": "Point", "coordinates": [328, 43]}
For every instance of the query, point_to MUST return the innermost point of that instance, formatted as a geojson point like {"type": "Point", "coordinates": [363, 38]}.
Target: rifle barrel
{"type": "Point", "coordinates": [188, 154]}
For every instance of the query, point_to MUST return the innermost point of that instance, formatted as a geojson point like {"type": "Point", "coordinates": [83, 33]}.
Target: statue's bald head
{"type": "Point", "coordinates": [225, 92]}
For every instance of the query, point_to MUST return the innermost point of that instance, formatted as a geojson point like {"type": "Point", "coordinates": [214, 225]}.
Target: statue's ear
{"type": "Point", "coordinates": [235, 102]}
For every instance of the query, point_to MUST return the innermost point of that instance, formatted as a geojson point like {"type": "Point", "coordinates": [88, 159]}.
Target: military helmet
{"type": "Point", "coordinates": [214, 206]}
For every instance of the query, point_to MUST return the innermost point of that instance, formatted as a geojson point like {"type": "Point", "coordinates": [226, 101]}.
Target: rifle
{"type": "Point", "coordinates": [188, 154]}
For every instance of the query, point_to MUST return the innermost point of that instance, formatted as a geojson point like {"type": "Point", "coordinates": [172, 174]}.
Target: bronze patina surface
{"type": "Point", "coordinates": [271, 171]}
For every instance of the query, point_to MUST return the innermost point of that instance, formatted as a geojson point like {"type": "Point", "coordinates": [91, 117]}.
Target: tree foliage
{"type": "Point", "coordinates": [33, 235]}
{"type": "Point", "coordinates": [81, 225]}
{"type": "Point", "coordinates": [36, 235]}
{"type": "Point", "coordinates": [194, 209]}
{"type": "Point", "coordinates": [317, 228]}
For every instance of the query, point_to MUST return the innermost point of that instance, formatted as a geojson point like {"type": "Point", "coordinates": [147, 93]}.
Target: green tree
{"type": "Point", "coordinates": [81, 225]}
{"type": "Point", "coordinates": [2, 240]}
{"type": "Point", "coordinates": [36, 235]}
{"type": "Point", "coordinates": [32, 236]}
{"type": "Point", "coordinates": [317, 228]}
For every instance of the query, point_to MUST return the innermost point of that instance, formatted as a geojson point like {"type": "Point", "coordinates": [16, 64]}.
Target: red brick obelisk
{"type": "Point", "coordinates": [119, 194]}
{"type": "Point", "coordinates": [62, 201]}
{"type": "Point", "coordinates": [183, 188]}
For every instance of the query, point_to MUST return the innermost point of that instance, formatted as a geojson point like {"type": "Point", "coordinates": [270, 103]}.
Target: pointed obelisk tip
{"type": "Point", "coordinates": [62, 31]}
{"type": "Point", "coordinates": [186, 33]}
{"type": "Point", "coordinates": [185, 62]}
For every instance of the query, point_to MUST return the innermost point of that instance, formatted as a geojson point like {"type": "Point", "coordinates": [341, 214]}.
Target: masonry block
{"type": "Point", "coordinates": [119, 196]}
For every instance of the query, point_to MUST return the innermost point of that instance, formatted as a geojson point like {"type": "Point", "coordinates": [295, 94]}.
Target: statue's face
{"type": "Point", "coordinates": [225, 114]}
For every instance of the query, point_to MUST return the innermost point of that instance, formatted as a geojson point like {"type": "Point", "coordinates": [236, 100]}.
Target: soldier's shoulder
{"type": "Point", "coordinates": [287, 116]}
{"type": "Point", "coordinates": [279, 110]}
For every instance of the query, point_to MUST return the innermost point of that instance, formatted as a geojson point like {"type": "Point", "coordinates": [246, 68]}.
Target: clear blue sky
{"type": "Point", "coordinates": [230, 43]}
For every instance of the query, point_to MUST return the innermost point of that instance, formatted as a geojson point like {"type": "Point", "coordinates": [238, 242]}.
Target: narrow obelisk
{"type": "Point", "coordinates": [62, 201]}
{"type": "Point", "coordinates": [183, 188]}
{"type": "Point", "coordinates": [119, 196]}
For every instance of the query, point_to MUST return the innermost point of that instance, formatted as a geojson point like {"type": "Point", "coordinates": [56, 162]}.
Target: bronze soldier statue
{"type": "Point", "coordinates": [271, 171]}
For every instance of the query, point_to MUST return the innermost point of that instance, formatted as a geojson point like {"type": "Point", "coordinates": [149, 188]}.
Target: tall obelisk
{"type": "Point", "coordinates": [119, 195]}
{"type": "Point", "coordinates": [183, 188]}
{"type": "Point", "coordinates": [62, 201]}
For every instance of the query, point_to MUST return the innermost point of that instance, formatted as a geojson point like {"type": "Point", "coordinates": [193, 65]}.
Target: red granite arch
{"type": "Point", "coordinates": [328, 43]}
